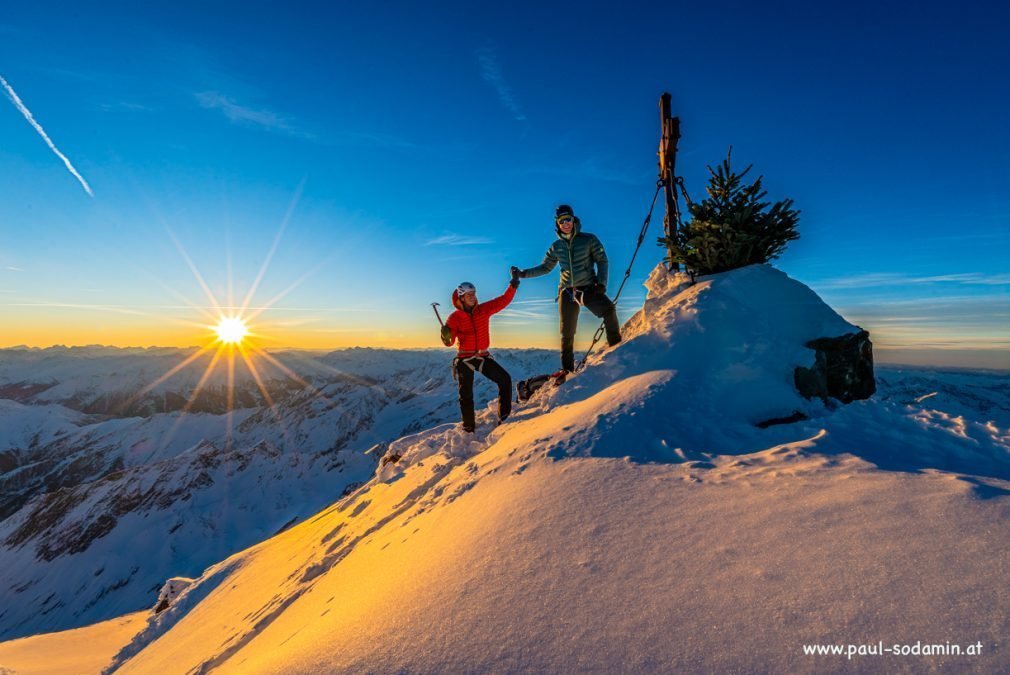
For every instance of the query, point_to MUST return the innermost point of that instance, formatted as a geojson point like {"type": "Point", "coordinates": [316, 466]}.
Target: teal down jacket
{"type": "Point", "coordinates": [576, 256]}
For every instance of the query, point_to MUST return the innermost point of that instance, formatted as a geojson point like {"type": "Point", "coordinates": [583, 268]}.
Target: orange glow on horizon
{"type": "Point", "coordinates": [122, 331]}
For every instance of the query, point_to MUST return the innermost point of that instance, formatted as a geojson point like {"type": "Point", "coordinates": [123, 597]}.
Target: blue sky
{"type": "Point", "coordinates": [401, 148]}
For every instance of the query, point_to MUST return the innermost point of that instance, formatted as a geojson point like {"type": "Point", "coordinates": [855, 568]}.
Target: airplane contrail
{"type": "Point", "coordinates": [52, 146]}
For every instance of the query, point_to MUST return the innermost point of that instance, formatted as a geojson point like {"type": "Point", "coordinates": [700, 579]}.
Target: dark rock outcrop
{"type": "Point", "coordinates": [843, 369]}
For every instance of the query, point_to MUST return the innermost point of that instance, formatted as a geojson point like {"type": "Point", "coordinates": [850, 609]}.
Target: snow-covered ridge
{"type": "Point", "coordinates": [636, 519]}
{"type": "Point", "coordinates": [634, 504]}
{"type": "Point", "coordinates": [137, 382]}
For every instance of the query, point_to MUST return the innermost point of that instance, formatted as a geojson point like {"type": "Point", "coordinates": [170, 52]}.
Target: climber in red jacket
{"type": "Point", "coordinates": [469, 325]}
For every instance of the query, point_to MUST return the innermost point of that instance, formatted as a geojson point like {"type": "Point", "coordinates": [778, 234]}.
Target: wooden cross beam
{"type": "Point", "coordinates": [667, 165]}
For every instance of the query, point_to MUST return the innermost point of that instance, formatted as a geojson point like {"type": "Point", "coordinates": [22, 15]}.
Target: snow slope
{"type": "Point", "coordinates": [636, 520]}
{"type": "Point", "coordinates": [97, 511]}
{"type": "Point", "coordinates": [83, 650]}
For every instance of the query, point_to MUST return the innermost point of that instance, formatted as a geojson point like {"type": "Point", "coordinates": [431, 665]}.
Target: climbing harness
{"type": "Point", "coordinates": [576, 295]}
{"type": "Point", "coordinates": [469, 362]}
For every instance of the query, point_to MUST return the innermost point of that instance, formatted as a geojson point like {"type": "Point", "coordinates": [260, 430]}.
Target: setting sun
{"type": "Point", "coordinates": [231, 330]}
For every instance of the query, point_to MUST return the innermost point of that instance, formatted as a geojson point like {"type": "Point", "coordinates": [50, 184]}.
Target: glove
{"type": "Point", "coordinates": [446, 336]}
{"type": "Point", "coordinates": [515, 272]}
{"type": "Point", "coordinates": [601, 289]}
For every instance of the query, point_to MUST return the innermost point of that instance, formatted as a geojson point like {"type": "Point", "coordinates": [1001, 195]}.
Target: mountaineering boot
{"type": "Point", "coordinates": [525, 389]}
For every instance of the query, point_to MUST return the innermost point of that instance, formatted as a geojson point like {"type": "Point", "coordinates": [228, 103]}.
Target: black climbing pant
{"type": "Point", "coordinates": [489, 368]}
{"type": "Point", "coordinates": [568, 307]}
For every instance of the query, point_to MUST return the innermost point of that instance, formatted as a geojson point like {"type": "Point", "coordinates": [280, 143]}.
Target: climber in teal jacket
{"type": "Point", "coordinates": [584, 270]}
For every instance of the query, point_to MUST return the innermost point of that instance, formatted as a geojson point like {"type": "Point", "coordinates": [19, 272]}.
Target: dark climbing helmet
{"type": "Point", "coordinates": [562, 211]}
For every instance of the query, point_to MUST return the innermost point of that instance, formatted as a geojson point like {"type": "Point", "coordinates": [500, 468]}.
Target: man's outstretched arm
{"type": "Point", "coordinates": [549, 263]}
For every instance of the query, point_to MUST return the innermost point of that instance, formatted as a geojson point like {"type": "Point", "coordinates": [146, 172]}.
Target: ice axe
{"type": "Point", "coordinates": [434, 306]}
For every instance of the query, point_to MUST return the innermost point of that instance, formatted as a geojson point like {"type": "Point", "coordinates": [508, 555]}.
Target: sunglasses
{"type": "Point", "coordinates": [563, 220]}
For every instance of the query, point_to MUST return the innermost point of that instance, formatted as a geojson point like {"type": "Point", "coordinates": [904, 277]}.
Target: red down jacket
{"type": "Point", "coordinates": [471, 328]}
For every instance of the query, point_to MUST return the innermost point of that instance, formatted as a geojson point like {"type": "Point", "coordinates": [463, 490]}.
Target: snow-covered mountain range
{"type": "Point", "coordinates": [634, 519]}
{"type": "Point", "coordinates": [84, 481]}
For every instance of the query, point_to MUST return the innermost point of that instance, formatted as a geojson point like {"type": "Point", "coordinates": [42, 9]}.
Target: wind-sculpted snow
{"type": "Point", "coordinates": [635, 519]}
{"type": "Point", "coordinates": [99, 510]}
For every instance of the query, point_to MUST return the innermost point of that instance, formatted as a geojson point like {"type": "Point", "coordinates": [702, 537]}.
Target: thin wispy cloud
{"type": "Point", "coordinates": [42, 132]}
{"type": "Point", "coordinates": [242, 114]}
{"type": "Point", "coordinates": [505, 322]}
{"type": "Point", "coordinates": [343, 330]}
{"type": "Point", "coordinates": [933, 305]}
{"type": "Point", "coordinates": [534, 302]}
{"type": "Point", "coordinates": [961, 322]}
{"type": "Point", "coordinates": [273, 121]}
{"type": "Point", "coordinates": [14, 269]}
{"type": "Point", "coordinates": [875, 280]}
{"type": "Point", "coordinates": [458, 240]}
{"type": "Point", "coordinates": [188, 308]}
{"type": "Point", "coordinates": [119, 309]}
{"type": "Point", "coordinates": [524, 314]}
{"type": "Point", "coordinates": [490, 70]}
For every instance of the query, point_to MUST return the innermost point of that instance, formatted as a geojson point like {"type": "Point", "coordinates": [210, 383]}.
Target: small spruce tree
{"type": "Point", "coordinates": [732, 227]}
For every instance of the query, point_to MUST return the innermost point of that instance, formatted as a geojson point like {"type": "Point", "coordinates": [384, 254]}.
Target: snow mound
{"type": "Point", "coordinates": [730, 344]}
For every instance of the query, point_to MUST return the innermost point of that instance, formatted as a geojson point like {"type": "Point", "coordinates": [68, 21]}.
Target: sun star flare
{"type": "Point", "coordinates": [231, 330]}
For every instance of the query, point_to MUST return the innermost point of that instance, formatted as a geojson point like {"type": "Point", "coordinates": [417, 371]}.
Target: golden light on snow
{"type": "Point", "coordinates": [231, 330]}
